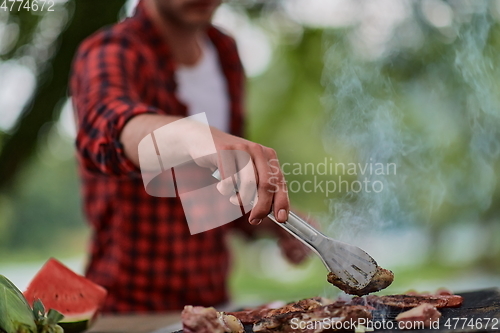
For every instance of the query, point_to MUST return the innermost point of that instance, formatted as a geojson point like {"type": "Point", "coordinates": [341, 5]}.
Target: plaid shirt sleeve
{"type": "Point", "coordinates": [105, 72]}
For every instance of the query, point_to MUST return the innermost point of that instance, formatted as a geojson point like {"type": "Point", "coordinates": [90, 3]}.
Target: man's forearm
{"type": "Point", "coordinates": [139, 127]}
{"type": "Point", "coordinates": [190, 141]}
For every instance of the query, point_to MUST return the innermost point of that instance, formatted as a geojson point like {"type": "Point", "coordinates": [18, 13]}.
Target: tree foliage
{"type": "Point", "coordinates": [85, 17]}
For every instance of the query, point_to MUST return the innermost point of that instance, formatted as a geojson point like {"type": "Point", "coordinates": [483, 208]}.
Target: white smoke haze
{"type": "Point", "coordinates": [427, 99]}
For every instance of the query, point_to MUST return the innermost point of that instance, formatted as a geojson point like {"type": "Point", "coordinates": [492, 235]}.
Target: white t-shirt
{"type": "Point", "coordinates": [203, 88]}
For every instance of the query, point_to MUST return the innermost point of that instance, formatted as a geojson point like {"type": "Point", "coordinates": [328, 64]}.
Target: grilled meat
{"type": "Point", "coordinates": [253, 315]}
{"type": "Point", "coordinates": [424, 313]}
{"type": "Point", "coordinates": [439, 292]}
{"type": "Point", "coordinates": [316, 315]}
{"type": "Point", "coordinates": [409, 301]}
{"type": "Point", "coordinates": [382, 279]}
{"type": "Point", "coordinates": [321, 319]}
{"type": "Point", "coordinates": [443, 292]}
{"type": "Point", "coordinates": [198, 319]}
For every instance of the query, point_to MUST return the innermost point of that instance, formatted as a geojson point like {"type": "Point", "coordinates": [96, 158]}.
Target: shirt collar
{"type": "Point", "coordinates": [148, 29]}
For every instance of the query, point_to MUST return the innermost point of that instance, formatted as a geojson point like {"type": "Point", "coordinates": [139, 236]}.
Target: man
{"type": "Point", "coordinates": [164, 63]}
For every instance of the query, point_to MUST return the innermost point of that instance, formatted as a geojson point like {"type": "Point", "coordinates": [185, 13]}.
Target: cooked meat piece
{"type": "Point", "coordinates": [424, 313]}
{"type": "Point", "coordinates": [439, 292]}
{"type": "Point", "coordinates": [382, 279]}
{"type": "Point", "coordinates": [443, 292]}
{"type": "Point", "coordinates": [232, 323]}
{"type": "Point", "coordinates": [253, 315]}
{"type": "Point", "coordinates": [413, 292]}
{"type": "Point", "coordinates": [198, 319]}
{"type": "Point", "coordinates": [325, 318]}
{"type": "Point", "coordinates": [313, 302]}
{"type": "Point", "coordinates": [409, 301]}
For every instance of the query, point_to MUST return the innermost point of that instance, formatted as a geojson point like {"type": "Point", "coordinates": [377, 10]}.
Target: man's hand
{"type": "Point", "coordinates": [189, 140]}
{"type": "Point", "coordinates": [264, 174]}
{"type": "Point", "coordinates": [293, 249]}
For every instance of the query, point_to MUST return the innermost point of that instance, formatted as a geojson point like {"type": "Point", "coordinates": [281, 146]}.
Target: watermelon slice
{"type": "Point", "coordinates": [61, 289]}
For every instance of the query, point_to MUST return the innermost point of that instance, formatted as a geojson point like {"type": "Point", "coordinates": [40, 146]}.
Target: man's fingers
{"type": "Point", "coordinates": [260, 182]}
{"type": "Point", "coordinates": [293, 250]}
{"type": "Point", "coordinates": [247, 187]}
{"type": "Point", "coordinates": [265, 189]}
{"type": "Point", "coordinates": [226, 186]}
{"type": "Point", "coordinates": [281, 203]}
{"type": "Point", "coordinates": [281, 206]}
{"type": "Point", "coordinates": [298, 255]}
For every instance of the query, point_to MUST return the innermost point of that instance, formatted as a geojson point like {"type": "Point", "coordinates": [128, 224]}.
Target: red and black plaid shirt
{"type": "Point", "coordinates": [141, 249]}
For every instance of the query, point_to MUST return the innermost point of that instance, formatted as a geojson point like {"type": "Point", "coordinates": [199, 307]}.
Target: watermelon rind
{"type": "Point", "coordinates": [80, 317]}
{"type": "Point", "coordinates": [75, 327]}
{"type": "Point", "coordinates": [79, 323]}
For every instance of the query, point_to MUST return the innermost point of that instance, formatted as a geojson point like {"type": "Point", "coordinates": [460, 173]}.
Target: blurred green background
{"type": "Point", "coordinates": [414, 83]}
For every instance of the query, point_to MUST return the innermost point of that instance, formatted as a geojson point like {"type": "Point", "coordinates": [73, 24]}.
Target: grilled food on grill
{"type": "Point", "coordinates": [253, 315]}
{"type": "Point", "coordinates": [424, 313]}
{"type": "Point", "coordinates": [198, 319]}
{"type": "Point", "coordinates": [409, 301]}
{"type": "Point", "coordinates": [312, 313]}
{"type": "Point", "coordinates": [329, 318]}
{"type": "Point", "coordinates": [439, 292]}
{"type": "Point", "coordinates": [382, 279]}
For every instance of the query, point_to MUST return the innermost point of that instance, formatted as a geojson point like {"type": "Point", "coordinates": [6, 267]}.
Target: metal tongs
{"type": "Point", "coordinates": [349, 263]}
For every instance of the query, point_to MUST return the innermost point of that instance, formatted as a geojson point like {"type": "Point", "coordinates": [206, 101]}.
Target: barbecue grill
{"type": "Point", "coordinates": [480, 306]}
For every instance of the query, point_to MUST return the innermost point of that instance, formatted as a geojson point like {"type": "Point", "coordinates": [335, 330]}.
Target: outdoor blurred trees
{"type": "Point", "coordinates": [68, 25]}
{"type": "Point", "coordinates": [37, 200]}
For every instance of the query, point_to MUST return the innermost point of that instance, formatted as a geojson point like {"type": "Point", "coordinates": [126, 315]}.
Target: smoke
{"type": "Point", "coordinates": [482, 104]}
{"type": "Point", "coordinates": [430, 107]}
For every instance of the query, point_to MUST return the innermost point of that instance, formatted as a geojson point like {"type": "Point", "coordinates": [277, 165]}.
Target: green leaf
{"type": "Point", "coordinates": [53, 317]}
{"type": "Point", "coordinates": [15, 315]}
{"type": "Point", "coordinates": [38, 310]}
{"type": "Point", "coordinates": [8, 284]}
